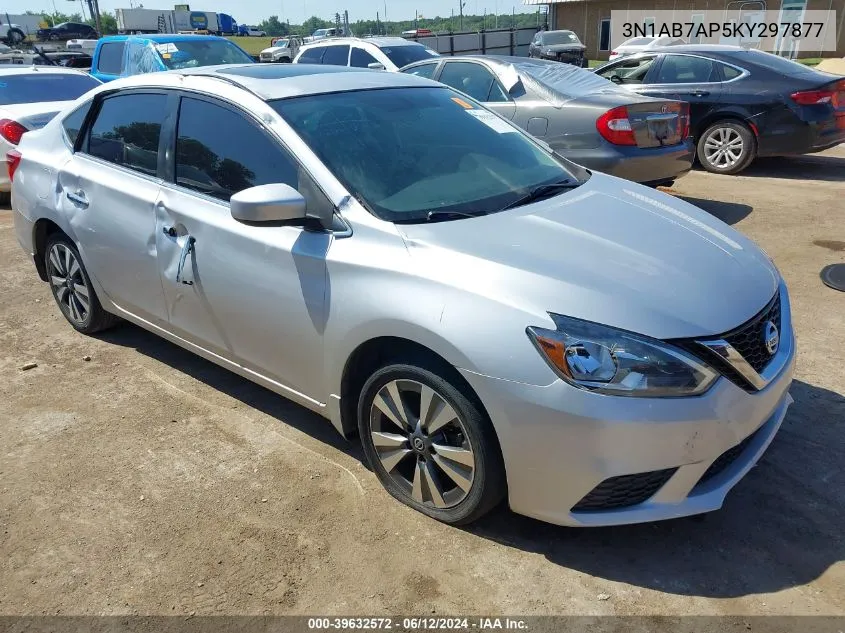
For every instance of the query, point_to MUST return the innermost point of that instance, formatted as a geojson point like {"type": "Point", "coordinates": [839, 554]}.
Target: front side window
{"type": "Point", "coordinates": [628, 71]}
{"type": "Point", "coordinates": [40, 87]}
{"type": "Point", "coordinates": [336, 55]}
{"type": "Point", "coordinates": [219, 152]}
{"type": "Point", "coordinates": [407, 152]}
{"type": "Point", "coordinates": [361, 58]}
{"type": "Point", "coordinates": [127, 130]}
{"type": "Point", "coordinates": [111, 58]}
{"type": "Point", "coordinates": [423, 70]}
{"type": "Point", "coordinates": [473, 79]}
{"type": "Point", "coordinates": [312, 55]}
{"type": "Point", "coordinates": [683, 69]}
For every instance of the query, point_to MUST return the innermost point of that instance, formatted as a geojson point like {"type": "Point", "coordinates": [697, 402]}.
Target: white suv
{"type": "Point", "coordinates": [383, 53]}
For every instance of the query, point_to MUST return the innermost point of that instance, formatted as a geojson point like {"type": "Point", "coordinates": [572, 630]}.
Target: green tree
{"type": "Point", "coordinates": [274, 27]}
{"type": "Point", "coordinates": [108, 21]}
{"type": "Point", "coordinates": [313, 23]}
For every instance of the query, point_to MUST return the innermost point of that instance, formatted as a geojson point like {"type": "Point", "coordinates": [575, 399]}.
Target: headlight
{"type": "Point", "coordinates": [615, 362]}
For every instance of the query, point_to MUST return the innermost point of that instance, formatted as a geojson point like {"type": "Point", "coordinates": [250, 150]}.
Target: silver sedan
{"type": "Point", "coordinates": [580, 115]}
{"type": "Point", "coordinates": [492, 320]}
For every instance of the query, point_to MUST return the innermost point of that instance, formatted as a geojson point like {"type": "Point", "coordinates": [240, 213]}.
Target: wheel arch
{"type": "Point", "coordinates": [376, 352]}
{"type": "Point", "coordinates": [41, 233]}
{"type": "Point", "coordinates": [728, 115]}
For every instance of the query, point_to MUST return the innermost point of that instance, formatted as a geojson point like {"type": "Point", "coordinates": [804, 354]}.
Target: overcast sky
{"type": "Point", "coordinates": [251, 11]}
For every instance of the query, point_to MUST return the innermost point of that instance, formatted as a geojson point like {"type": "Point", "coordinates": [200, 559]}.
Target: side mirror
{"type": "Point", "coordinates": [616, 79]}
{"type": "Point", "coordinates": [376, 66]}
{"type": "Point", "coordinates": [268, 203]}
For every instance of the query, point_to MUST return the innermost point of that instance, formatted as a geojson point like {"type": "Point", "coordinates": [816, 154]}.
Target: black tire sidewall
{"type": "Point", "coordinates": [488, 486]}
{"type": "Point", "coordinates": [749, 147]}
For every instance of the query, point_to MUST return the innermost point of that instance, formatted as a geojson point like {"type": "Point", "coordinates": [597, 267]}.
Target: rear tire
{"type": "Point", "coordinates": [726, 147]}
{"type": "Point", "coordinates": [445, 462]}
{"type": "Point", "coordinates": [72, 288]}
{"type": "Point", "coordinates": [16, 36]}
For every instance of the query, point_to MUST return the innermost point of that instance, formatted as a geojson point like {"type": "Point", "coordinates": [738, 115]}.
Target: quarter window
{"type": "Point", "coordinates": [73, 123]}
{"type": "Point", "coordinates": [361, 58]}
{"type": "Point", "coordinates": [729, 72]}
{"type": "Point", "coordinates": [336, 55]}
{"type": "Point", "coordinates": [111, 58]}
{"type": "Point", "coordinates": [312, 55]}
{"type": "Point", "coordinates": [219, 152]}
{"type": "Point", "coordinates": [127, 131]}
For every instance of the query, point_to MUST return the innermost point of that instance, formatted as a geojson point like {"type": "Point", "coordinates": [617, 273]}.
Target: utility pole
{"type": "Point", "coordinates": [461, 4]}
{"type": "Point", "coordinates": [94, 9]}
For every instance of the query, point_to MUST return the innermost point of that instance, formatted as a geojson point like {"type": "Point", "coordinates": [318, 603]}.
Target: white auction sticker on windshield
{"type": "Point", "coordinates": [492, 121]}
{"type": "Point", "coordinates": [168, 47]}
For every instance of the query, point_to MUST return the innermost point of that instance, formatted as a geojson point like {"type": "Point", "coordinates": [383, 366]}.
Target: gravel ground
{"type": "Point", "coordinates": [136, 478]}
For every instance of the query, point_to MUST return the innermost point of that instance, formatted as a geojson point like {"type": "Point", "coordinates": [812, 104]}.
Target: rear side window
{"type": "Point", "coordinates": [220, 152]}
{"type": "Point", "coordinates": [361, 58]}
{"type": "Point", "coordinates": [312, 55]}
{"type": "Point", "coordinates": [423, 70]}
{"type": "Point", "coordinates": [729, 72]}
{"type": "Point", "coordinates": [127, 130]}
{"type": "Point", "coordinates": [683, 69]}
{"type": "Point", "coordinates": [111, 58]}
{"type": "Point", "coordinates": [336, 55]}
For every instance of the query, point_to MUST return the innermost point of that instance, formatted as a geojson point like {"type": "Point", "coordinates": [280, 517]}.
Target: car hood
{"type": "Point", "coordinates": [33, 116]}
{"type": "Point", "coordinates": [273, 49]}
{"type": "Point", "coordinates": [611, 252]}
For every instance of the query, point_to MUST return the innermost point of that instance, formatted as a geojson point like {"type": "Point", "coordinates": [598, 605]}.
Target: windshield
{"type": "Point", "coordinates": [405, 152]}
{"type": "Point", "coordinates": [320, 32]}
{"type": "Point", "coordinates": [560, 37]}
{"type": "Point", "coordinates": [282, 43]}
{"type": "Point", "coordinates": [41, 87]}
{"type": "Point", "coordinates": [407, 54]}
{"type": "Point", "coordinates": [194, 53]}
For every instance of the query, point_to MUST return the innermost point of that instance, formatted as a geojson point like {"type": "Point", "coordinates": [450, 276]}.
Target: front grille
{"type": "Point", "coordinates": [726, 459]}
{"type": "Point", "coordinates": [624, 491]}
{"type": "Point", "coordinates": [749, 339]}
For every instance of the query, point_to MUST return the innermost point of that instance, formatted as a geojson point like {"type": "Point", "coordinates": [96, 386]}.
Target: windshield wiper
{"type": "Point", "coordinates": [433, 216]}
{"type": "Point", "coordinates": [540, 191]}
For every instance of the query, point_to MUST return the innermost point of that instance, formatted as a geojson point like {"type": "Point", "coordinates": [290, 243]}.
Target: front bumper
{"type": "Point", "coordinates": [645, 165]}
{"type": "Point", "coordinates": [560, 443]}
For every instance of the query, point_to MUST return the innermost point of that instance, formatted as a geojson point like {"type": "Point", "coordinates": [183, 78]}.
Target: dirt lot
{"type": "Point", "coordinates": [146, 480]}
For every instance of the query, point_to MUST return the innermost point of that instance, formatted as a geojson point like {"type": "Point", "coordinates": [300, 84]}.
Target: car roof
{"type": "Point", "coordinates": [163, 38]}
{"type": "Point", "coordinates": [281, 81]}
{"type": "Point", "coordinates": [50, 70]}
{"type": "Point", "coordinates": [377, 41]}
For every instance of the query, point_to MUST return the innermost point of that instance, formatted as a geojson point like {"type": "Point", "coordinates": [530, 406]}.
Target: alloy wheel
{"type": "Point", "coordinates": [723, 148]}
{"type": "Point", "coordinates": [68, 283]}
{"type": "Point", "coordinates": [422, 444]}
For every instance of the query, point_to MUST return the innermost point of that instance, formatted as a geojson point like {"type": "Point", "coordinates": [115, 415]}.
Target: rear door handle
{"type": "Point", "coordinates": [699, 93]}
{"type": "Point", "coordinates": [78, 198]}
{"type": "Point", "coordinates": [187, 249]}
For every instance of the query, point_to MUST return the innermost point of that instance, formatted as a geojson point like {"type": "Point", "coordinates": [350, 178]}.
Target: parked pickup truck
{"type": "Point", "coordinates": [123, 55]}
{"type": "Point", "coordinates": [283, 50]}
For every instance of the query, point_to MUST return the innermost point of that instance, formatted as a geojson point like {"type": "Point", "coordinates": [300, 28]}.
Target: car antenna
{"type": "Point", "coordinates": [41, 54]}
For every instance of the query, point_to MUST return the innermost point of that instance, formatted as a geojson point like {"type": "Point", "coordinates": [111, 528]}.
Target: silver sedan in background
{"type": "Point", "coordinates": [493, 320]}
{"type": "Point", "coordinates": [582, 116]}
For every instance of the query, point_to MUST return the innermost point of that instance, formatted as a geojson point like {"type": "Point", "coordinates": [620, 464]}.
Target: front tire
{"type": "Point", "coordinates": [16, 36]}
{"type": "Point", "coordinates": [72, 288]}
{"type": "Point", "coordinates": [430, 443]}
{"type": "Point", "coordinates": [726, 147]}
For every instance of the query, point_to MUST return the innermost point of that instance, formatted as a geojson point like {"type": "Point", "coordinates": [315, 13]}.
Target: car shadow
{"type": "Point", "coordinates": [727, 212]}
{"type": "Point", "coordinates": [779, 528]}
{"type": "Point", "coordinates": [234, 386]}
{"type": "Point", "coordinates": [807, 167]}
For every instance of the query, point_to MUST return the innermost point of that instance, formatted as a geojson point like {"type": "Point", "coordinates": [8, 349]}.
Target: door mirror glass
{"type": "Point", "coordinates": [268, 203]}
{"type": "Point", "coordinates": [375, 66]}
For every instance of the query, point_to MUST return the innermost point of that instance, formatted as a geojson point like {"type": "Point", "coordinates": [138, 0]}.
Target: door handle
{"type": "Point", "coordinates": [187, 249]}
{"type": "Point", "coordinates": [78, 198]}
{"type": "Point", "coordinates": [169, 231]}
{"type": "Point", "coordinates": [699, 93]}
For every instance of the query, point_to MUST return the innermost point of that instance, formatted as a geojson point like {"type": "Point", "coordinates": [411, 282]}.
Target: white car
{"type": "Point", "coordinates": [31, 97]}
{"type": "Point", "coordinates": [87, 46]}
{"type": "Point", "coordinates": [254, 31]}
{"type": "Point", "coordinates": [381, 53]}
{"type": "Point", "coordinates": [639, 44]}
{"type": "Point", "coordinates": [283, 50]}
